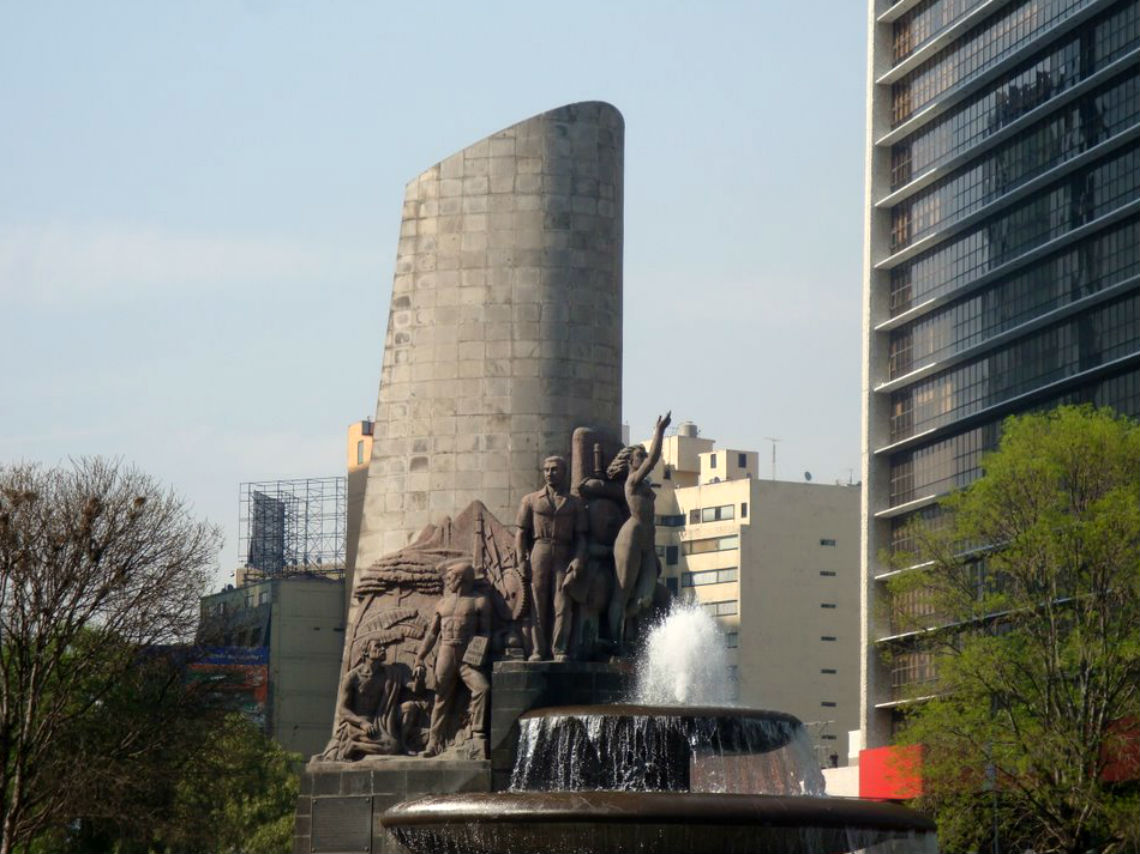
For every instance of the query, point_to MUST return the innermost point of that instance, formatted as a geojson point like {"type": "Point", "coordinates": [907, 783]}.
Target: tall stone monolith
{"type": "Point", "coordinates": [505, 329]}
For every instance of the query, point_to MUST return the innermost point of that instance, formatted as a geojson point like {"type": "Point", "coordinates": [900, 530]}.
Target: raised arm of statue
{"type": "Point", "coordinates": [654, 450]}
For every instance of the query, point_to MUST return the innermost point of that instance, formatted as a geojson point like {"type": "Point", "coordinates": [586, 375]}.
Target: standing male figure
{"type": "Point", "coordinates": [551, 541]}
{"type": "Point", "coordinates": [462, 623]}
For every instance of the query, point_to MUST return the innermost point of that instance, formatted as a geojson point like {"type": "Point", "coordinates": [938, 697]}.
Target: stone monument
{"type": "Point", "coordinates": [503, 351]}
{"type": "Point", "coordinates": [504, 332]}
{"type": "Point", "coordinates": [499, 402]}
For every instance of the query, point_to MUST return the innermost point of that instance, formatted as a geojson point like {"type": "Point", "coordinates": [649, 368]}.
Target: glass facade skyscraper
{"type": "Point", "coordinates": [1002, 271]}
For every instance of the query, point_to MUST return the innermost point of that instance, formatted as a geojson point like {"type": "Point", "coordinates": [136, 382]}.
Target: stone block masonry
{"type": "Point", "coordinates": [518, 687]}
{"type": "Point", "coordinates": [339, 806]}
{"type": "Point", "coordinates": [505, 329]}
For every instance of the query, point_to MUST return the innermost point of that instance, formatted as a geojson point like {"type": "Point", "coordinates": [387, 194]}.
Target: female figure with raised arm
{"type": "Point", "coordinates": [635, 560]}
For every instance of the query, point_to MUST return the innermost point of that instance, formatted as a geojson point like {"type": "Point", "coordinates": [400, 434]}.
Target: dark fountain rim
{"type": "Point", "coordinates": [642, 710]}
{"type": "Point", "coordinates": [624, 808]}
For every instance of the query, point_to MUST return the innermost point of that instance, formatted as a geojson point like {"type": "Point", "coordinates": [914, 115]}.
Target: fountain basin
{"type": "Point", "coordinates": [728, 721]}
{"type": "Point", "coordinates": [652, 822]}
{"type": "Point", "coordinates": [637, 747]}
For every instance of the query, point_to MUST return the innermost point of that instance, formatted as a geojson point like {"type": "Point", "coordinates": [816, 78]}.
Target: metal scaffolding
{"type": "Point", "coordinates": [291, 527]}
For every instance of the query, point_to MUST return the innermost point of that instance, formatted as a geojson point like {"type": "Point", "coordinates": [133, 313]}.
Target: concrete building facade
{"type": "Point", "coordinates": [776, 564]}
{"type": "Point", "coordinates": [506, 320]}
{"type": "Point", "coordinates": [1002, 265]}
{"type": "Point", "coordinates": [297, 623]}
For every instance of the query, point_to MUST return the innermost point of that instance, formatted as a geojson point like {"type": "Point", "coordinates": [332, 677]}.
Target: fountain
{"type": "Point", "coordinates": [655, 777]}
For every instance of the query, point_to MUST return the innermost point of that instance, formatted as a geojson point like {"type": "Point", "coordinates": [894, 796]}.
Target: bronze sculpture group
{"type": "Point", "coordinates": [572, 581]}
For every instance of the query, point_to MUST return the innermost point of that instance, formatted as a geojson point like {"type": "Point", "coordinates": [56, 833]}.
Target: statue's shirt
{"type": "Point", "coordinates": [551, 516]}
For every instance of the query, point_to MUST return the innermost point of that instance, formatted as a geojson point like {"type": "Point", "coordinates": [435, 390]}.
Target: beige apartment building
{"type": "Point", "coordinates": [777, 564]}
{"type": "Point", "coordinates": [358, 454]}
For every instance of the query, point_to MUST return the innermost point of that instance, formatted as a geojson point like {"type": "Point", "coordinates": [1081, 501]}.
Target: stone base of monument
{"type": "Point", "coordinates": [340, 802]}
{"type": "Point", "coordinates": [519, 686]}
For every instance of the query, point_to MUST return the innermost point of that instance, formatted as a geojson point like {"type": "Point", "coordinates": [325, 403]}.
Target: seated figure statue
{"type": "Point", "coordinates": [368, 708]}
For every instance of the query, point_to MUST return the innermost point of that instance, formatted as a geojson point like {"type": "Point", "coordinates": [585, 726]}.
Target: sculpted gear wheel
{"type": "Point", "coordinates": [514, 591]}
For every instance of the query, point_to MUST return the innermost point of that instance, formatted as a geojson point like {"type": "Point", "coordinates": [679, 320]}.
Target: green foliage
{"type": "Point", "coordinates": [237, 794]}
{"type": "Point", "coordinates": [103, 744]}
{"type": "Point", "coordinates": [220, 785]}
{"type": "Point", "coordinates": [1034, 572]}
{"type": "Point", "coordinates": [97, 562]}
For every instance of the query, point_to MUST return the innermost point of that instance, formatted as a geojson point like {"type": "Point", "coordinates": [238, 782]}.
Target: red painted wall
{"type": "Point", "coordinates": [891, 773]}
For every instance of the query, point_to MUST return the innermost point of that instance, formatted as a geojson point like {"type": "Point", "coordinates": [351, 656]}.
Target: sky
{"type": "Point", "coordinates": [199, 208]}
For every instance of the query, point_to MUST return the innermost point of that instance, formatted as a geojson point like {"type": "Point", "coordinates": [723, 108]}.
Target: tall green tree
{"type": "Point", "coordinates": [1032, 575]}
{"type": "Point", "coordinates": [97, 563]}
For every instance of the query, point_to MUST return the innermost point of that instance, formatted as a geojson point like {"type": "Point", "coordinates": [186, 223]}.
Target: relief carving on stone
{"type": "Point", "coordinates": [571, 581]}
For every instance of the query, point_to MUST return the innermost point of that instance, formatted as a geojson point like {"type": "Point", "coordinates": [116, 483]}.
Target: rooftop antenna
{"type": "Point", "coordinates": [773, 440]}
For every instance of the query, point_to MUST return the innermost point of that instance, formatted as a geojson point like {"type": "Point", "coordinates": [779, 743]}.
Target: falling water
{"type": "Point", "coordinates": [681, 734]}
{"type": "Point", "coordinates": [668, 773]}
{"type": "Point", "coordinates": [684, 662]}
{"type": "Point", "coordinates": [664, 749]}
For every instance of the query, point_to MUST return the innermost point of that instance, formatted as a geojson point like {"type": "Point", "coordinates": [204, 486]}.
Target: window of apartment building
{"type": "Point", "coordinates": [829, 704]}
{"type": "Point", "coordinates": [731, 640]}
{"type": "Point", "coordinates": [743, 509]}
{"type": "Point", "coordinates": [724, 608]}
{"type": "Point", "coordinates": [670, 520]}
{"type": "Point", "coordinates": [360, 452]}
{"type": "Point", "coordinates": [671, 555]}
{"type": "Point", "coordinates": [723, 513]}
{"type": "Point", "coordinates": [262, 597]}
{"type": "Point", "coordinates": [827, 604]}
{"type": "Point", "coordinates": [827, 542]}
{"type": "Point", "coordinates": [827, 572]}
{"type": "Point", "coordinates": [671, 585]}
{"type": "Point", "coordinates": [712, 461]}
{"type": "Point", "coordinates": [694, 516]}
{"type": "Point", "coordinates": [829, 670]}
{"type": "Point", "coordinates": [712, 544]}
{"type": "Point", "coordinates": [742, 460]}
{"type": "Point", "coordinates": [708, 576]}
{"type": "Point", "coordinates": [827, 637]}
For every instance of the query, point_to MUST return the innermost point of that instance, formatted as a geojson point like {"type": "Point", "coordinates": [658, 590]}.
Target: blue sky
{"type": "Point", "coordinates": [199, 205]}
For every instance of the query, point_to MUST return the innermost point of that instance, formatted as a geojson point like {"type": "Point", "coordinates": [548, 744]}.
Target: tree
{"type": "Point", "coordinates": [238, 794]}
{"type": "Point", "coordinates": [1033, 575]}
{"type": "Point", "coordinates": [217, 784]}
{"type": "Point", "coordinates": [97, 565]}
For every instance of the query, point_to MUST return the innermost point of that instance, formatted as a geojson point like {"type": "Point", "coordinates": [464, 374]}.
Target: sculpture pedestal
{"type": "Point", "coordinates": [340, 803]}
{"type": "Point", "coordinates": [519, 686]}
